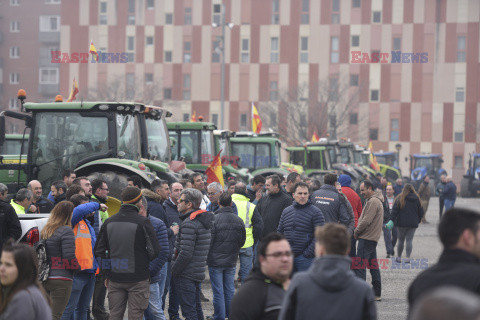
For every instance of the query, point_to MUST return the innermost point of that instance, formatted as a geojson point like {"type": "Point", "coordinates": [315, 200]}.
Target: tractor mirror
{"type": "Point", "coordinates": [2, 129]}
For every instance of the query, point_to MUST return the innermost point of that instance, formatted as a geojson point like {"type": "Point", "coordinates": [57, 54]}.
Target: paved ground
{"type": "Point", "coordinates": [426, 248]}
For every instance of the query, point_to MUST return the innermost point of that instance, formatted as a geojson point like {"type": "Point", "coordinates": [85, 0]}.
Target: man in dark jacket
{"type": "Point", "coordinates": [228, 236]}
{"type": "Point", "coordinates": [128, 241]}
{"type": "Point", "coordinates": [449, 193]}
{"type": "Point", "coordinates": [459, 263]}
{"type": "Point", "coordinates": [9, 223]}
{"type": "Point", "coordinates": [58, 190]}
{"type": "Point", "coordinates": [214, 191]}
{"type": "Point", "coordinates": [262, 294]}
{"type": "Point", "coordinates": [272, 204]}
{"type": "Point", "coordinates": [333, 207]}
{"type": "Point", "coordinates": [173, 217]}
{"type": "Point", "coordinates": [329, 288]}
{"type": "Point", "coordinates": [439, 193]}
{"type": "Point", "coordinates": [39, 203]}
{"type": "Point", "coordinates": [255, 190]}
{"type": "Point", "coordinates": [191, 250]}
{"type": "Point", "coordinates": [298, 223]}
{"type": "Point", "coordinates": [292, 179]}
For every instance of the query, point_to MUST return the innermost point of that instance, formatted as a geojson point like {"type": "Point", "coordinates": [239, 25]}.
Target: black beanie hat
{"type": "Point", "coordinates": [131, 195]}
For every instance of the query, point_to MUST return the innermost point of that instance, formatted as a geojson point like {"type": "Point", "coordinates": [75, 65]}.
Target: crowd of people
{"type": "Point", "coordinates": [303, 248]}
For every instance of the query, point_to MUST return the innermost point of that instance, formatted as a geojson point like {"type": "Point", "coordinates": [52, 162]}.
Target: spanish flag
{"type": "Point", "coordinates": [373, 160]}
{"type": "Point", "coordinates": [256, 121]}
{"type": "Point", "coordinates": [315, 136]}
{"type": "Point", "coordinates": [74, 91]}
{"type": "Point", "coordinates": [194, 117]}
{"type": "Point", "coordinates": [93, 51]}
{"type": "Point", "coordinates": [214, 170]}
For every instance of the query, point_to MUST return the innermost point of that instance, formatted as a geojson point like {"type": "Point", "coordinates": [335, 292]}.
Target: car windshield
{"type": "Point", "coordinates": [128, 136]}
{"type": "Point", "coordinates": [252, 155]}
{"type": "Point", "coordinates": [158, 144]}
{"type": "Point", "coordinates": [62, 139]}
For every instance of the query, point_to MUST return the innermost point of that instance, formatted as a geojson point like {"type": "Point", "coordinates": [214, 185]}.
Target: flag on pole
{"type": "Point", "coordinates": [194, 117]}
{"type": "Point", "coordinates": [373, 160]}
{"type": "Point", "coordinates": [93, 51]}
{"type": "Point", "coordinates": [214, 171]}
{"type": "Point", "coordinates": [315, 136]}
{"type": "Point", "coordinates": [74, 91]}
{"type": "Point", "coordinates": [256, 121]}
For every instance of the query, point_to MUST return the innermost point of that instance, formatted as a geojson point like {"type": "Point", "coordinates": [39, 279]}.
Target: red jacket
{"type": "Point", "coordinates": [355, 201]}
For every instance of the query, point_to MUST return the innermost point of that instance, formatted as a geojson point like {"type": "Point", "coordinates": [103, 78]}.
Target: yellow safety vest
{"type": "Point", "coordinates": [245, 212]}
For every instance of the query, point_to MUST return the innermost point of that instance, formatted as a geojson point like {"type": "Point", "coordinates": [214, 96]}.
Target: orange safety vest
{"type": "Point", "coordinates": [83, 245]}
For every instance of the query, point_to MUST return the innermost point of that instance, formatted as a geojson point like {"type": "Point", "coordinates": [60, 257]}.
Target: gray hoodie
{"type": "Point", "coordinates": [330, 289]}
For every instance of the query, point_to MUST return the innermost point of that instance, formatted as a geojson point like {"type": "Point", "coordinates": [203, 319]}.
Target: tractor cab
{"type": "Point", "coordinates": [229, 162]}
{"type": "Point", "coordinates": [315, 160]}
{"type": "Point", "coordinates": [387, 161]}
{"type": "Point", "coordinates": [426, 164]}
{"type": "Point", "coordinates": [470, 184]}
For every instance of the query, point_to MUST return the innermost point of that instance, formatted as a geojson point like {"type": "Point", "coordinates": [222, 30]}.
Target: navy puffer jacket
{"type": "Point", "coordinates": [157, 264]}
{"type": "Point", "coordinates": [173, 217]}
{"type": "Point", "coordinates": [298, 224]}
{"type": "Point", "coordinates": [228, 237]}
{"type": "Point", "coordinates": [410, 215]}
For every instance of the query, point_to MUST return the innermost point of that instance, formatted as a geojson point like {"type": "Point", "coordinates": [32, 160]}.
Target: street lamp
{"type": "Point", "coordinates": [223, 24]}
{"type": "Point", "coordinates": [398, 147]}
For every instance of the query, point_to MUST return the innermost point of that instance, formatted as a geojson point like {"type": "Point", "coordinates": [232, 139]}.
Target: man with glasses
{"type": "Point", "coordinates": [214, 191]}
{"type": "Point", "coordinates": [261, 296]}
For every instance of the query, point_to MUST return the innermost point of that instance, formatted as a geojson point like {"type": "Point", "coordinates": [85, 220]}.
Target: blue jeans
{"type": "Point", "coordinates": [223, 287]}
{"type": "Point", "coordinates": [448, 204]}
{"type": "Point", "coordinates": [189, 295]}
{"type": "Point", "coordinates": [387, 237]}
{"type": "Point", "coordinates": [301, 263]}
{"type": "Point", "coordinates": [167, 283]}
{"type": "Point", "coordinates": [246, 262]}
{"type": "Point", "coordinates": [80, 298]}
{"type": "Point", "coordinates": [367, 256]}
{"type": "Point", "coordinates": [155, 310]}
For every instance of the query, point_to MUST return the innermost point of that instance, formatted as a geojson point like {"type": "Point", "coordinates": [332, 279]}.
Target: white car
{"type": "Point", "coordinates": [32, 225]}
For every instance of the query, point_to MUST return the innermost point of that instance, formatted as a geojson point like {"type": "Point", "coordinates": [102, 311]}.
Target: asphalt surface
{"type": "Point", "coordinates": [396, 278]}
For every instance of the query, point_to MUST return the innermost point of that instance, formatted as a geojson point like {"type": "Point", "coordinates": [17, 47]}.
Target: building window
{"type": "Point", "coordinates": [355, 41]}
{"type": "Point", "coordinates": [49, 23]}
{"type": "Point", "coordinates": [168, 56]}
{"type": "Point", "coordinates": [275, 11]}
{"type": "Point", "coordinates": [149, 41]}
{"type": "Point", "coordinates": [356, 3]}
{"type": "Point", "coordinates": [102, 19]}
{"type": "Point", "coordinates": [14, 2]}
{"type": "Point", "coordinates": [458, 162]}
{"type": "Point", "coordinates": [216, 51]}
{"type": "Point", "coordinates": [377, 17]}
{"type": "Point", "coordinates": [52, 1]}
{"type": "Point", "coordinates": [243, 121]}
{"type": "Point", "coordinates": [187, 51]}
{"type": "Point", "coordinates": [458, 136]}
{"type": "Point", "coordinates": [130, 86]}
{"type": "Point", "coordinates": [304, 50]}
{"type": "Point", "coordinates": [167, 93]}
{"type": "Point", "coordinates": [354, 80]}
{"type": "Point", "coordinates": [130, 57]}
{"type": "Point", "coordinates": [334, 54]}
{"type": "Point", "coordinates": [217, 14]}
{"type": "Point", "coordinates": [14, 52]}
{"type": "Point", "coordinates": [131, 6]}
{"type": "Point", "coordinates": [186, 87]}
{"type": "Point", "coordinates": [373, 95]}
{"type": "Point", "coordinates": [148, 78]}
{"type": "Point", "coordinates": [188, 16]}
{"type": "Point", "coordinates": [335, 12]}
{"type": "Point", "coordinates": [397, 43]}
{"type": "Point", "coordinates": [131, 20]}
{"type": "Point", "coordinates": [353, 118]}
{"type": "Point", "coordinates": [130, 48]}
{"type": "Point", "coordinates": [460, 95]}
{"type": "Point", "coordinates": [12, 103]}
{"type": "Point", "coordinates": [168, 18]}
{"type": "Point", "coordinates": [15, 26]}
{"type": "Point", "coordinates": [245, 50]}
{"type": "Point", "coordinates": [14, 78]}
{"type": "Point", "coordinates": [273, 91]}
{"type": "Point", "coordinates": [274, 50]}
{"type": "Point", "coordinates": [186, 117]}
{"type": "Point", "coordinates": [304, 18]}
{"type": "Point", "coordinates": [215, 119]}
{"type": "Point", "coordinates": [103, 7]}
{"type": "Point", "coordinates": [461, 49]}
{"type": "Point", "coordinates": [150, 4]}
{"type": "Point", "coordinates": [373, 134]}
{"type": "Point", "coordinates": [394, 130]}
{"type": "Point", "coordinates": [48, 76]}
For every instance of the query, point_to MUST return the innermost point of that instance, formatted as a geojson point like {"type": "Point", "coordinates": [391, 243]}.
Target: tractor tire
{"type": "Point", "coordinates": [116, 181]}
{"type": "Point", "coordinates": [465, 188]}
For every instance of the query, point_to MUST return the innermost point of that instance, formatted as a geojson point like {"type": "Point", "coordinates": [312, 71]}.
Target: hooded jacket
{"type": "Point", "coordinates": [371, 221]}
{"type": "Point", "coordinates": [298, 223]}
{"type": "Point", "coordinates": [330, 289]}
{"type": "Point", "coordinates": [271, 207]}
{"type": "Point", "coordinates": [410, 215]}
{"type": "Point", "coordinates": [333, 206]}
{"type": "Point", "coordinates": [192, 245]}
{"type": "Point", "coordinates": [228, 237]}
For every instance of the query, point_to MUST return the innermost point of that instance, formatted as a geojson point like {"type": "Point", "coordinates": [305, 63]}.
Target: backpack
{"type": "Point", "coordinates": [44, 262]}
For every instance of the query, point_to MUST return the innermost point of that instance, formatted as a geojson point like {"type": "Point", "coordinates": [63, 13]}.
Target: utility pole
{"type": "Point", "coordinates": [222, 77]}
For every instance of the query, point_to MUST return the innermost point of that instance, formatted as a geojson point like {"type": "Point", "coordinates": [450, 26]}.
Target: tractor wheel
{"type": "Point", "coordinates": [116, 181]}
{"type": "Point", "coordinates": [465, 188]}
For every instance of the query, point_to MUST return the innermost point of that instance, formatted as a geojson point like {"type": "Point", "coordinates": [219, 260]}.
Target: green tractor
{"type": "Point", "coordinates": [387, 161]}
{"type": "Point", "coordinates": [13, 151]}
{"type": "Point", "coordinates": [470, 184]}
{"type": "Point", "coordinates": [259, 153]}
{"type": "Point", "coordinates": [361, 157]}
{"type": "Point", "coordinates": [96, 139]}
{"type": "Point", "coordinates": [229, 162]}
{"type": "Point", "coordinates": [315, 160]}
